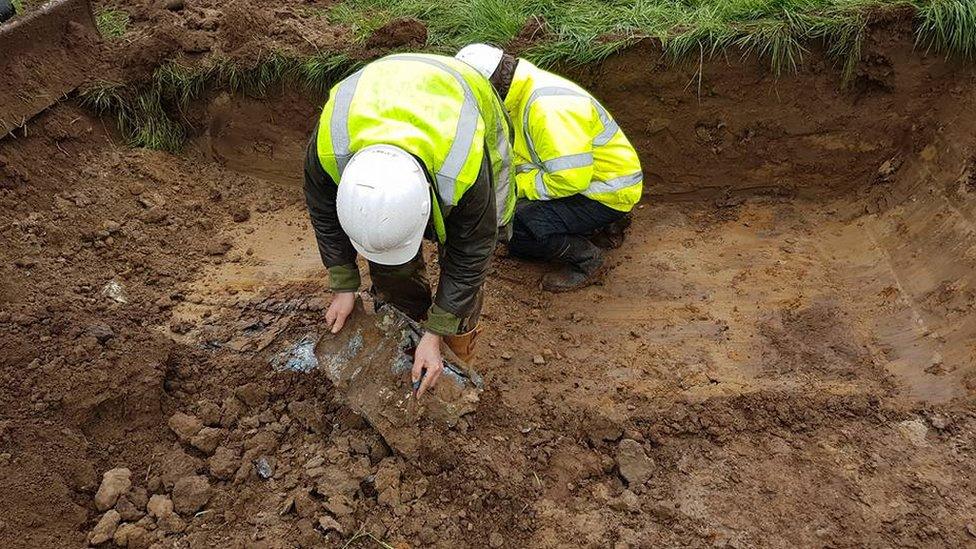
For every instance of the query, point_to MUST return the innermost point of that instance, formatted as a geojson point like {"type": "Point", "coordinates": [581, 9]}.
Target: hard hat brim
{"type": "Point", "coordinates": [398, 256]}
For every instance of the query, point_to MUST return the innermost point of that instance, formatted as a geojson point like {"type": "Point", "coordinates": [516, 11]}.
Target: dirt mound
{"type": "Point", "coordinates": [399, 33]}
{"type": "Point", "coordinates": [780, 354]}
{"type": "Point", "coordinates": [239, 32]}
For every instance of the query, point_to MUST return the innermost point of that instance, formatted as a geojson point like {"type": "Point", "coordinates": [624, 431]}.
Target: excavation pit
{"type": "Point", "coordinates": [786, 333]}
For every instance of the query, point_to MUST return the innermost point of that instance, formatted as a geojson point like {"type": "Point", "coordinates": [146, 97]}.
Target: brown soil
{"type": "Point", "coordinates": [786, 334]}
{"type": "Point", "coordinates": [240, 31]}
{"type": "Point", "coordinates": [399, 33]}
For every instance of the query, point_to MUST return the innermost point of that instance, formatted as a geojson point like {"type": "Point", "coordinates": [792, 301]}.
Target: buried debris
{"type": "Point", "coordinates": [299, 357]}
{"type": "Point", "coordinates": [370, 361]}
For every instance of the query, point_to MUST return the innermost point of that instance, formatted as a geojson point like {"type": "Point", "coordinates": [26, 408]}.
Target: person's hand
{"type": "Point", "coordinates": [339, 310]}
{"type": "Point", "coordinates": [427, 357]}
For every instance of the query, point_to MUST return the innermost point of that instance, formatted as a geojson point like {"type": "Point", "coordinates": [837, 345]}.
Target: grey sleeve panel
{"type": "Point", "coordinates": [472, 231]}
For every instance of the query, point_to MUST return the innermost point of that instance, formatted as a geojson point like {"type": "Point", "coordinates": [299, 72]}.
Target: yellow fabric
{"type": "Point", "coordinates": [563, 121]}
{"type": "Point", "coordinates": [411, 101]}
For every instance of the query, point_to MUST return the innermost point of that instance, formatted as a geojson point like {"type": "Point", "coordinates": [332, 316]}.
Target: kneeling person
{"type": "Point", "coordinates": [575, 169]}
{"type": "Point", "coordinates": [411, 145]}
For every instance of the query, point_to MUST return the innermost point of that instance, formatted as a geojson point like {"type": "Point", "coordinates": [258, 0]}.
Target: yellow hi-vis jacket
{"type": "Point", "coordinates": [437, 108]}
{"type": "Point", "coordinates": [566, 143]}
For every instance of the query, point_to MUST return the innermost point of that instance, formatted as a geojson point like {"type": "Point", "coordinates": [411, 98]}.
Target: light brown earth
{"type": "Point", "coordinates": [781, 356]}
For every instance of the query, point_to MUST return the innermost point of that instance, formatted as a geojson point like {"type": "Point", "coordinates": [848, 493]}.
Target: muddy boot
{"type": "Point", "coordinates": [462, 345]}
{"type": "Point", "coordinates": [583, 266]}
{"type": "Point", "coordinates": [611, 237]}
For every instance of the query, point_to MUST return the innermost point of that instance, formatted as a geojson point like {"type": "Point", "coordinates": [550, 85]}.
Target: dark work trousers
{"type": "Point", "coordinates": [407, 288]}
{"type": "Point", "coordinates": [543, 229]}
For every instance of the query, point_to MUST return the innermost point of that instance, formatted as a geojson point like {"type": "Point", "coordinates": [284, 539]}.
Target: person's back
{"type": "Point", "coordinates": [552, 115]}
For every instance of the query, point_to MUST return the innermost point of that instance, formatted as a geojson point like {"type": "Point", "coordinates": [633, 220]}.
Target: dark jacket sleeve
{"type": "Point", "coordinates": [472, 230]}
{"type": "Point", "coordinates": [334, 246]}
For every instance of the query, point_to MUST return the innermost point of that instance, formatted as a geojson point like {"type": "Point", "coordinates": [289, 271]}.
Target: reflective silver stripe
{"type": "Point", "coordinates": [548, 90]}
{"type": "Point", "coordinates": [540, 186]}
{"type": "Point", "coordinates": [568, 162]}
{"type": "Point", "coordinates": [467, 125]}
{"type": "Point", "coordinates": [339, 122]}
{"type": "Point", "coordinates": [610, 127]}
{"type": "Point", "coordinates": [504, 149]}
{"type": "Point", "coordinates": [524, 168]}
{"type": "Point", "coordinates": [609, 130]}
{"type": "Point", "coordinates": [615, 184]}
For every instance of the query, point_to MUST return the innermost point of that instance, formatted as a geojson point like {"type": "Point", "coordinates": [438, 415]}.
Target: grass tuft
{"type": "Point", "coordinates": [152, 116]}
{"type": "Point", "coordinates": [112, 23]}
{"type": "Point", "coordinates": [949, 26]}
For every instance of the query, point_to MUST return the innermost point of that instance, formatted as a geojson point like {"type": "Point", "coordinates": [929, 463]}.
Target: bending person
{"type": "Point", "coordinates": [411, 145]}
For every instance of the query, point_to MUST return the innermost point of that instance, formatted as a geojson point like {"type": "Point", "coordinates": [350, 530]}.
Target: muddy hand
{"type": "Point", "coordinates": [427, 363]}
{"type": "Point", "coordinates": [339, 310]}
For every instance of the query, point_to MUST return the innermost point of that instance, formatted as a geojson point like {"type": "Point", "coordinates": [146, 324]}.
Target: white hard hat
{"type": "Point", "coordinates": [482, 57]}
{"type": "Point", "coordinates": [383, 204]}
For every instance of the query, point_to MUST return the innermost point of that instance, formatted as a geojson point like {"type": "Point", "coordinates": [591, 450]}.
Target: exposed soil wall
{"type": "Point", "coordinates": [780, 356]}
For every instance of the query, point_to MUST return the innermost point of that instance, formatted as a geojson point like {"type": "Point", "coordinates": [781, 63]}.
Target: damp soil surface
{"type": "Point", "coordinates": [781, 354]}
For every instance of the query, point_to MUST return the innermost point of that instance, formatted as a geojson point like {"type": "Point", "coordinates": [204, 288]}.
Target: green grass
{"type": "Point", "coordinates": [948, 25]}
{"type": "Point", "coordinates": [584, 31]}
{"type": "Point", "coordinates": [112, 23]}
{"type": "Point", "coordinates": [152, 116]}
{"type": "Point", "coordinates": [575, 32]}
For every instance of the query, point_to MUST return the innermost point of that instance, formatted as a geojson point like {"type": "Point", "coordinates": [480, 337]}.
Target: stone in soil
{"type": "Point", "coordinates": [252, 394]}
{"type": "Point", "coordinates": [224, 463]}
{"type": "Point", "coordinates": [634, 464]}
{"type": "Point", "coordinates": [105, 528]}
{"type": "Point", "coordinates": [171, 523]}
{"type": "Point", "coordinates": [175, 465]}
{"type": "Point", "coordinates": [128, 510]}
{"type": "Point", "coordinates": [626, 502]}
{"type": "Point", "coordinates": [132, 536]}
{"type": "Point", "coordinates": [495, 540]}
{"type": "Point", "coordinates": [190, 494]}
{"type": "Point", "coordinates": [387, 475]}
{"type": "Point", "coordinates": [173, 5]}
{"type": "Point", "coordinates": [159, 505]}
{"type": "Point", "coordinates": [209, 413]}
{"type": "Point", "coordinates": [327, 523]}
{"type": "Point", "coordinates": [305, 506]}
{"type": "Point", "coordinates": [339, 506]}
{"type": "Point", "coordinates": [240, 214]}
{"type": "Point", "coordinates": [602, 429]}
{"type": "Point", "coordinates": [207, 439]}
{"type": "Point", "coordinates": [218, 247]}
{"type": "Point", "coordinates": [185, 426]}
{"type": "Point", "coordinates": [115, 482]}
{"type": "Point", "coordinates": [263, 468]}
{"type": "Point", "coordinates": [230, 412]}
{"type": "Point", "coordinates": [100, 331]}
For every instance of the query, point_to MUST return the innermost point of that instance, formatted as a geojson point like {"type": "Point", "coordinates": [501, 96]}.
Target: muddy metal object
{"type": "Point", "coordinates": [370, 363]}
{"type": "Point", "coordinates": [46, 54]}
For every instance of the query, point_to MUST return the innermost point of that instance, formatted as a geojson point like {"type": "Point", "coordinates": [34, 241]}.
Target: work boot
{"type": "Point", "coordinates": [611, 237]}
{"type": "Point", "coordinates": [582, 266]}
{"type": "Point", "coordinates": [462, 345]}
